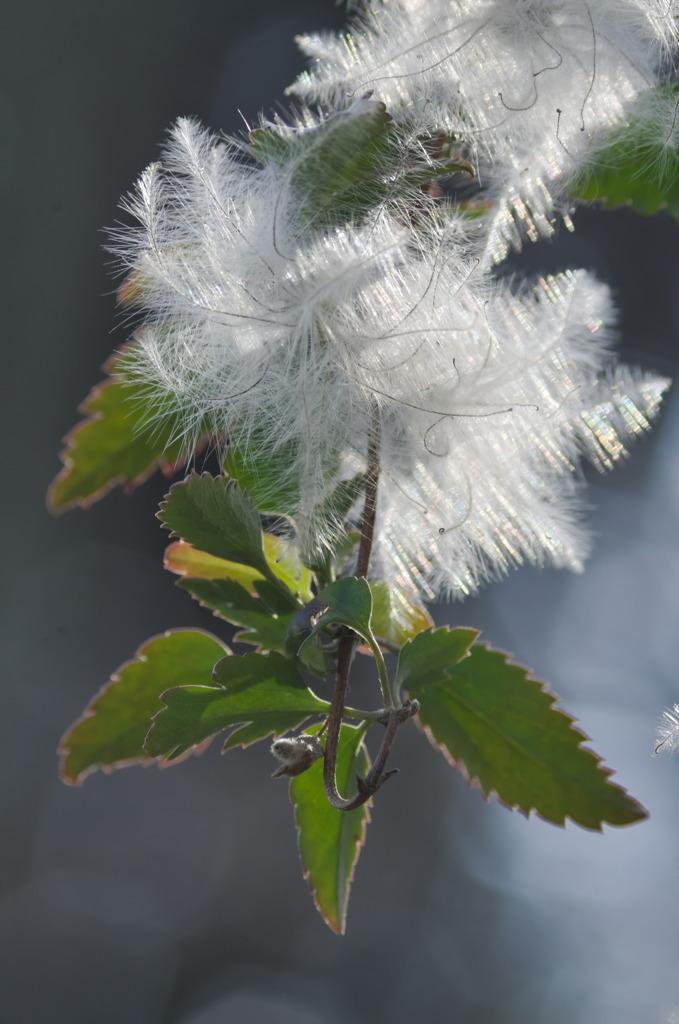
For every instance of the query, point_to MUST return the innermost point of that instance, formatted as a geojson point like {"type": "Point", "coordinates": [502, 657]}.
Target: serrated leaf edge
{"type": "Point", "coordinates": [63, 751]}
{"type": "Point", "coordinates": [475, 783]}
{"type": "Point", "coordinates": [227, 746]}
{"type": "Point", "coordinates": [70, 444]}
{"type": "Point", "coordinates": [338, 927]}
{"type": "Point", "coordinates": [229, 484]}
{"type": "Point", "coordinates": [242, 632]}
{"type": "Point", "coordinates": [451, 629]}
{"type": "Point", "coordinates": [172, 757]}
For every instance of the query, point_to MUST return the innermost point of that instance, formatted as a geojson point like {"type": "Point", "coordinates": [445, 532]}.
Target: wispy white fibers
{"type": "Point", "coordinates": [647, 146]}
{"type": "Point", "coordinates": [526, 86]}
{"type": "Point", "coordinates": [667, 732]}
{"type": "Point", "coordinates": [486, 418]}
{"type": "Point", "coordinates": [254, 324]}
{"type": "Point", "coordinates": [287, 338]}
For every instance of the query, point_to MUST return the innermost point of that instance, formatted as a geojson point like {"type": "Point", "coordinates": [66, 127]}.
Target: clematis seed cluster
{"type": "Point", "coordinates": [285, 326]}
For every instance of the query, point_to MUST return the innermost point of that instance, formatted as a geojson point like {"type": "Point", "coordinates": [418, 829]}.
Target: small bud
{"type": "Point", "coordinates": [297, 754]}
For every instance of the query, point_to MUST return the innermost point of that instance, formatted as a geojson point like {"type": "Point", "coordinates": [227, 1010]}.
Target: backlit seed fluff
{"type": "Point", "coordinates": [290, 340]}
{"type": "Point", "coordinates": [667, 733]}
{"type": "Point", "coordinates": [527, 86]}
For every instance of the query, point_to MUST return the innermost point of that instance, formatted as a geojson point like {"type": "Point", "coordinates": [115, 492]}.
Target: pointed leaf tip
{"type": "Point", "coordinates": [124, 438]}
{"type": "Point", "coordinates": [329, 840]}
{"type": "Point", "coordinates": [487, 715]}
{"type": "Point", "coordinates": [113, 727]}
{"type": "Point", "coordinates": [232, 602]}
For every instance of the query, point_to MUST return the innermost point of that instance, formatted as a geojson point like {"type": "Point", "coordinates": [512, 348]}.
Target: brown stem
{"type": "Point", "coordinates": [345, 656]}
{"type": "Point", "coordinates": [377, 776]}
{"type": "Point", "coordinates": [370, 507]}
{"type": "Point", "coordinates": [394, 717]}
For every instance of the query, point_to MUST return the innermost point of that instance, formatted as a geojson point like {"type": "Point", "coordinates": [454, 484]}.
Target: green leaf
{"type": "Point", "coordinates": [331, 840]}
{"type": "Point", "coordinates": [216, 516]}
{"type": "Point", "coordinates": [277, 599]}
{"type": "Point", "coordinates": [111, 732]}
{"type": "Point", "coordinates": [270, 147]}
{"type": "Point", "coordinates": [638, 164]}
{"type": "Point", "coordinates": [346, 602]}
{"type": "Point", "coordinates": [272, 479]}
{"type": "Point", "coordinates": [488, 715]}
{"type": "Point", "coordinates": [124, 439]}
{"type": "Point", "coordinates": [343, 168]}
{"type": "Point", "coordinates": [185, 560]}
{"type": "Point", "coordinates": [444, 649]}
{"type": "Point", "coordinates": [417, 177]}
{"type": "Point", "coordinates": [284, 563]}
{"type": "Point", "coordinates": [339, 170]}
{"type": "Point", "coordinates": [263, 692]}
{"type": "Point", "coordinates": [394, 618]}
{"type": "Point", "coordinates": [232, 602]}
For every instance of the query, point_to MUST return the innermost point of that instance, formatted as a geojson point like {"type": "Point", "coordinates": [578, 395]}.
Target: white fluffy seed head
{"type": "Point", "coordinates": [485, 422]}
{"type": "Point", "coordinates": [528, 85]}
{"type": "Point", "coordinates": [251, 325]}
{"type": "Point", "coordinates": [285, 339]}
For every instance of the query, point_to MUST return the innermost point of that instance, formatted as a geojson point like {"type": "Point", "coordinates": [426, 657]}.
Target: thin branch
{"type": "Point", "coordinates": [377, 776]}
{"type": "Point", "coordinates": [393, 717]}
{"type": "Point", "coordinates": [371, 480]}
{"type": "Point", "coordinates": [344, 658]}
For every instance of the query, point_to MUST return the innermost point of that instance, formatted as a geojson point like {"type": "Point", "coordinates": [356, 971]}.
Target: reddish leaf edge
{"type": "Point", "coordinates": [338, 926]}
{"type": "Point", "coordinates": [475, 783]}
{"type": "Point", "coordinates": [69, 441]}
{"type": "Point", "coordinates": [241, 631]}
{"type": "Point", "coordinates": [107, 769]}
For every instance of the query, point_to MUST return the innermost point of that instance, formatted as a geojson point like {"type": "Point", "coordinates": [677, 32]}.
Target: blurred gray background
{"type": "Point", "coordinates": [176, 897]}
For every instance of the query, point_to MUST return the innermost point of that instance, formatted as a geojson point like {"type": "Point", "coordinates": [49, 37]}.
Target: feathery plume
{"type": "Point", "coordinates": [486, 421]}
{"type": "Point", "coordinates": [527, 86]}
{"type": "Point", "coordinates": [286, 338]}
{"type": "Point", "coordinates": [667, 732]}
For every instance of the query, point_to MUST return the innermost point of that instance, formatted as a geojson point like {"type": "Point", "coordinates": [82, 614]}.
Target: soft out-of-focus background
{"type": "Point", "coordinates": [175, 897]}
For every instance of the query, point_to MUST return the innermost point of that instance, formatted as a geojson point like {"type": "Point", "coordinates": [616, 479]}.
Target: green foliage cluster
{"type": "Point", "coordinates": [185, 687]}
{"type": "Point", "coordinates": [485, 714]}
